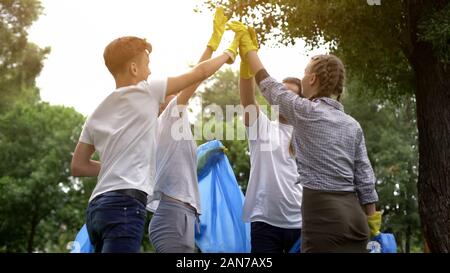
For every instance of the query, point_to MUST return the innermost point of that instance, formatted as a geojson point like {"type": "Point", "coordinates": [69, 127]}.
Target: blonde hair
{"type": "Point", "coordinates": [330, 71]}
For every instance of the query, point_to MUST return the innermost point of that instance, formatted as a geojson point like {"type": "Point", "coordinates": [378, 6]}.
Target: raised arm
{"type": "Point", "coordinates": [275, 92]}
{"type": "Point", "coordinates": [204, 69]}
{"type": "Point", "coordinates": [247, 94]}
{"type": "Point", "coordinates": [218, 29]}
{"type": "Point", "coordinates": [199, 73]}
{"type": "Point", "coordinates": [247, 85]}
{"type": "Point", "coordinates": [186, 94]}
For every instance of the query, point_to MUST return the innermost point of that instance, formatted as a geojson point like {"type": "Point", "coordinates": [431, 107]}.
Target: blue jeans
{"type": "Point", "coordinates": [115, 223]}
{"type": "Point", "coordinates": [266, 238]}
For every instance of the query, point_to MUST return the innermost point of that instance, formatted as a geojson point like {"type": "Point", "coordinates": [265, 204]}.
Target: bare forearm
{"type": "Point", "coordinates": [89, 169]}
{"type": "Point", "coordinates": [254, 61]}
{"type": "Point", "coordinates": [247, 91]}
{"type": "Point", "coordinates": [247, 94]}
{"type": "Point", "coordinates": [206, 68]}
{"type": "Point", "coordinates": [199, 73]}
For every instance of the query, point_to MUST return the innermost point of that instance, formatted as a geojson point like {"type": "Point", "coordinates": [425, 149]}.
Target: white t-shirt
{"type": "Point", "coordinates": [176, 154]}
{"type": "Point", "coordinates": [122, 130]}
{"type": "Point", "coordinates": [272, 194]}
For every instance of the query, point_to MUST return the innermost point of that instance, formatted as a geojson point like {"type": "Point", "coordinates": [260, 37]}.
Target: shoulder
{"type": "Point", "coordinates": [355, 126]}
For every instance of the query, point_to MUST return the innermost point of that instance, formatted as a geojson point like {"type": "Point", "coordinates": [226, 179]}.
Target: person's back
{"type": "Point", "coordinates": [176, 167]}
{"type": "Point", "coordinates": [122, 129]}
{"type": "Point", "coordinates": [175, 201]}
{"type": "Point", "coordinates": [332, 138]}
{"type": "Point", "coordinates": [273, 197]}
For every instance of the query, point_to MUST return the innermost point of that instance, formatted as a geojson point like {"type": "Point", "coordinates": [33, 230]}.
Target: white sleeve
{"type": "Point", "coordinates": [158, 88]}
{"type": "Point", "coordinates": [85, 136]}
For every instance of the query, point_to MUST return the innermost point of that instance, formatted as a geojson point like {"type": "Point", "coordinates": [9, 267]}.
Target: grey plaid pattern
{"type": "Point", "coordinates": [331, 151]}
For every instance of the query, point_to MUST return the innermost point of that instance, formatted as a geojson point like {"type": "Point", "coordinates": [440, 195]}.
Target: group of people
{"type": "Point", "coordinates": [314, 182]}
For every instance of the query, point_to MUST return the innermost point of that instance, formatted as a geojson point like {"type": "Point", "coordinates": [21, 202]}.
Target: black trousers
{"type": "Point", "coordinates": [266, 238]}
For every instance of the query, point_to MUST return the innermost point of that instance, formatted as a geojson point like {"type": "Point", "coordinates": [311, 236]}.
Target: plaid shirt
{"type": "Point", "coordinates": [331, 149]}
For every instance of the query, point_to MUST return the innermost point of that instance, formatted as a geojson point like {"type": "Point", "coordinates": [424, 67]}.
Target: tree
{"type": "Point", "coordinates": [20, 61]}
{"type": "Point", "coordinates": [40, 200]}
{"type": "Point", "coordinates": [391, 138]}
{"type": "Point", "coordinates": [222, 90]}
{"type": "Point", "coordinates": [398, 48]}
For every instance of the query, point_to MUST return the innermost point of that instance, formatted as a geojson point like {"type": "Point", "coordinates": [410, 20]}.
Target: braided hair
{"type": "Point", "coordinates": [330, 71]}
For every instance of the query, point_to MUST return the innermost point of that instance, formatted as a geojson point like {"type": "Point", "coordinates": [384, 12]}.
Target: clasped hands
{"type": "Point", "coordinates": [244, 39]}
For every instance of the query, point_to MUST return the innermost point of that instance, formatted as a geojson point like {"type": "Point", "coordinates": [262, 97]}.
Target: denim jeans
{"type": "Point", "coordinates": [115, 223]}
{"type": "Point", "coordinates": [266, 238]}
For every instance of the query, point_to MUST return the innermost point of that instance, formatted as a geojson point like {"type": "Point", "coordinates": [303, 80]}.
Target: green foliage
{"type": "Point", "coordinates": [40, 200]}
{"type": "Point", "coordinates": [435, 29]}
{"type": "Point", "coordinates": [373, 41]}
{"type": "Point", "coordinates": [391, 140]}
{"type": "Point", "coordinates": [20, 61]}
{"type": "Point", "coordinates": [221, 90]}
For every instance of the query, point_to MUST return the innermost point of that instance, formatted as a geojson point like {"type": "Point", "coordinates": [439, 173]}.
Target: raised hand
{"type": "Point", "coordinates": [245, 71]}
{"type": "Point", "coordinates": [218, 28]}
{"type": "Point", "coordinates": [233, 48]}
{"type": "Point", "coordinates": [249, 42]}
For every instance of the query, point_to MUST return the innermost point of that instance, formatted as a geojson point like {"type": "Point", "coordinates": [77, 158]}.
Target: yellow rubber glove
{"type": "Point", "coordinates": [218, 28]}
{"type": "Point", "coordinates": [374, 222]}
{"type": "Point", "coordinates": [246, 43]}
{"type": "Point", "coordinates": [233, 49]}
{"type": "Point", "coordinates": [252, 33]}
{"type": "Point", "coordinates": [236, 27]}
{"type": "Point", "coordinates": [245, 71]}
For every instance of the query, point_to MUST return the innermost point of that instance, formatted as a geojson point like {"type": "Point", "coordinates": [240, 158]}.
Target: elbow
{"type": "Point", "coordinates": [75, 169]}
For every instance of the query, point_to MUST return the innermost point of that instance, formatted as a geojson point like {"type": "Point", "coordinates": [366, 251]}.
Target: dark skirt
{"type": "Point", "coordinates": [333, 222]}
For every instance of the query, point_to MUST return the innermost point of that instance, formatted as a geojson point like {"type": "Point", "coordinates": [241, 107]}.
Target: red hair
{"type": "Point", "coordinates": [122, 50]}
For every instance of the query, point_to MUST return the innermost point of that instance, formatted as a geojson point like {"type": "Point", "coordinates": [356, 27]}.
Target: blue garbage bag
{"type": "Point", "coordinates": [221, 228]}
{"type": "Point", "coordinates": [383, 243]}
{"type": "Point", "coordinates": [296, 247]}
{"type": "Point", "coordinates": [82, 243]}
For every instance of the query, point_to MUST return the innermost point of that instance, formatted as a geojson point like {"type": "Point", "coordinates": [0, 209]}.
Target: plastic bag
{"type": "Point", "coordinates": [383, 243]}
{"type": "Point", "coordinates": [296, 248]}
{"type": "Point", "coordinates": [221, 228]}
{"type": "Point", "coordinates": [82, 243]}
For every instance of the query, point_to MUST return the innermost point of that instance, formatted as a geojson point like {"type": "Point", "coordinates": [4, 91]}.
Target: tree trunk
{"type": "Point", "coordinates": [433, 121]}
{"type": "Point", "coordinates": [408, 239]}
{"type": "Point", "coordinates": [34, 223]}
